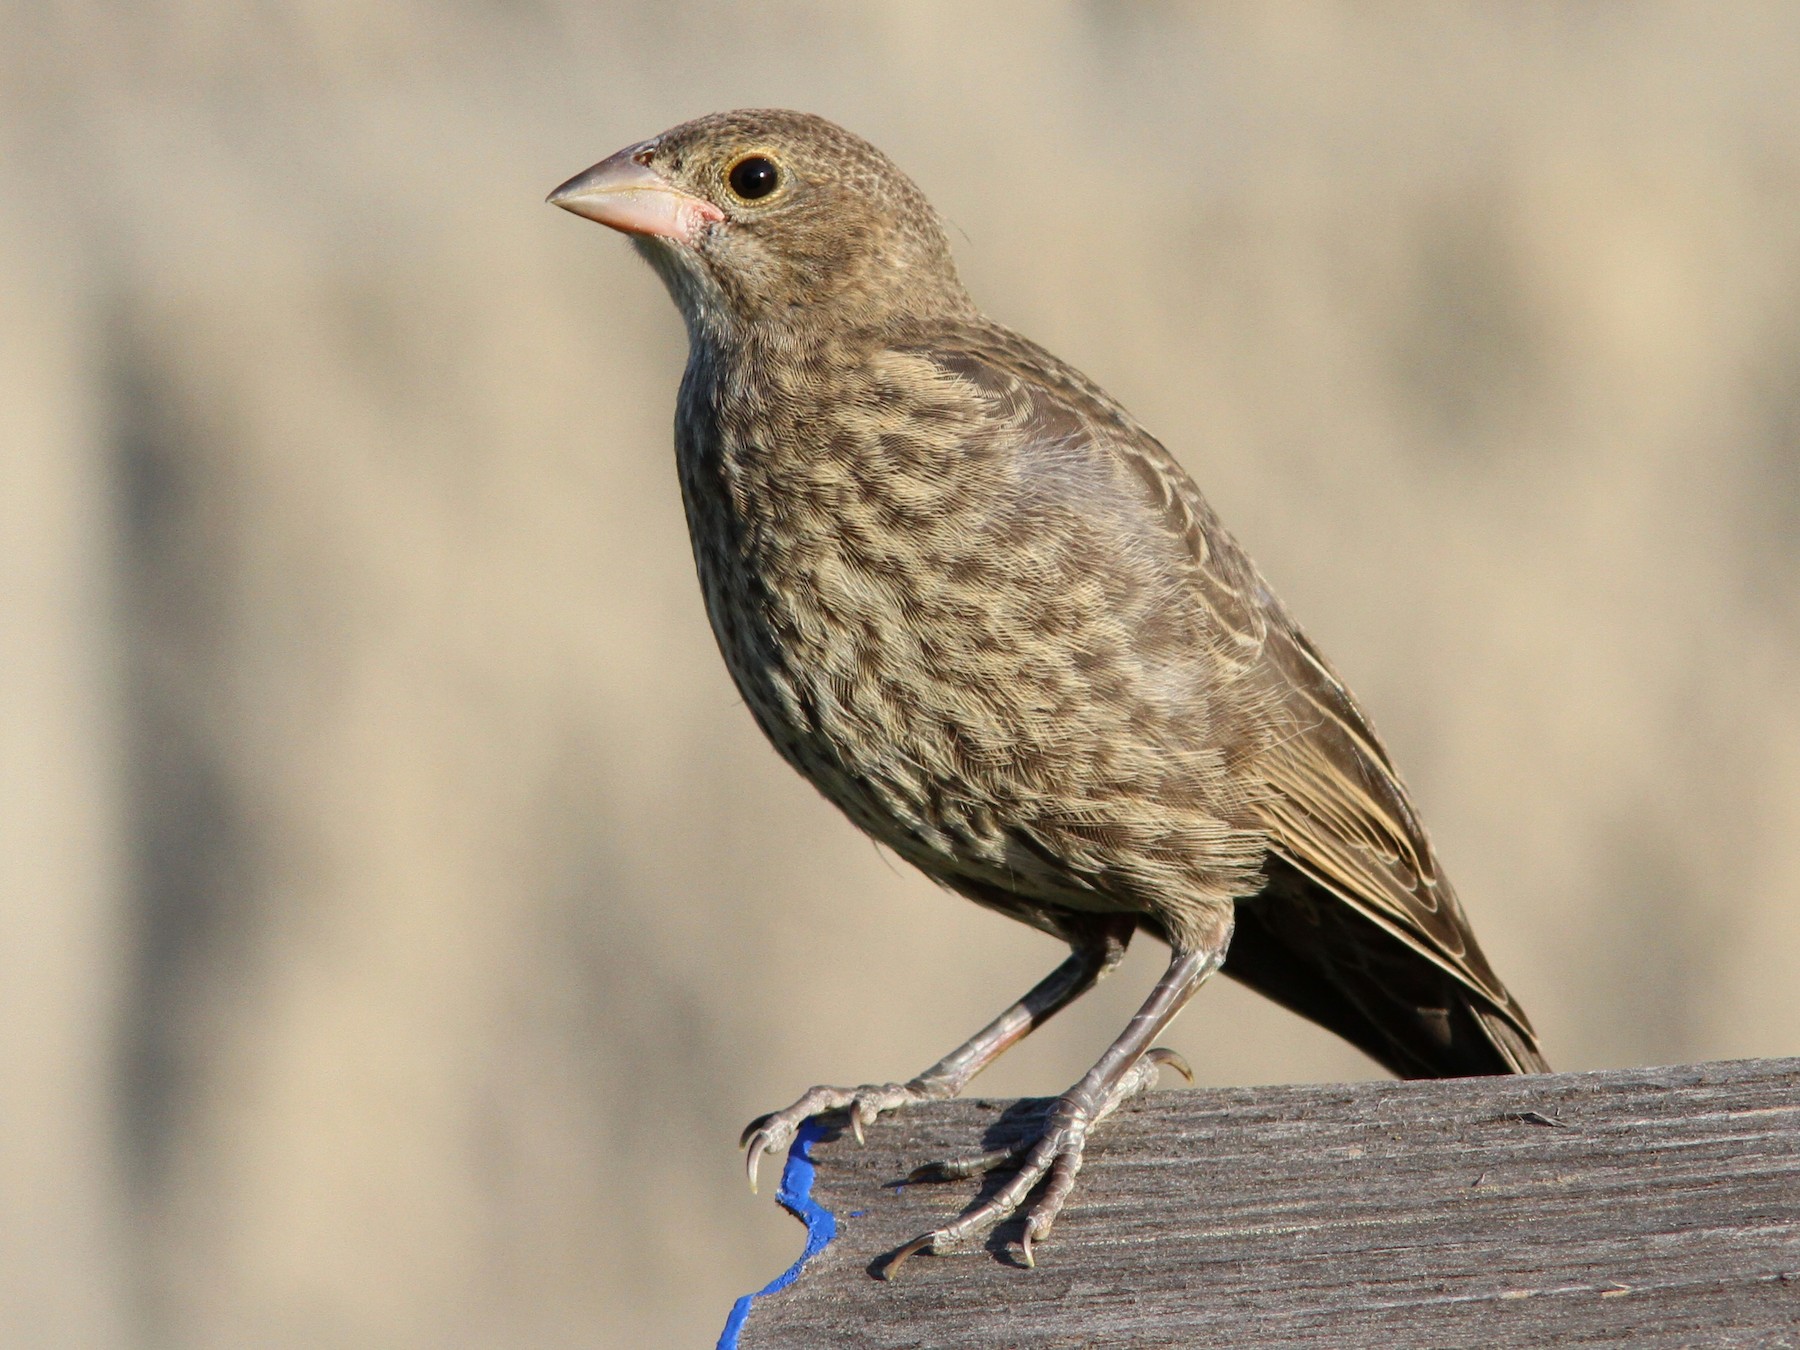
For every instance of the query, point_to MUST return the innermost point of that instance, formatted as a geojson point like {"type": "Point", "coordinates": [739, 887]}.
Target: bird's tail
{"type": "Point", "coordinates": [1519, 1049]}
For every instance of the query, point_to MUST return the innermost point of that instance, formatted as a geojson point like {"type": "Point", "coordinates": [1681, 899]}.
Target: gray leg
{"type": "Point", "coordinates": [1128, 1066]}
{"type": "Point", "coordinates": [1096, 951]}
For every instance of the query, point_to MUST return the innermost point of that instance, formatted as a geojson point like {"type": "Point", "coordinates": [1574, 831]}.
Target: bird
{"type": "Point", "coordinates": [990, 617]}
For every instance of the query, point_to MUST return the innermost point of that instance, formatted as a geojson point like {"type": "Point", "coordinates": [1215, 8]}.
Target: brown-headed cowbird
{"type": "Point", "coordinates": [989, 616]}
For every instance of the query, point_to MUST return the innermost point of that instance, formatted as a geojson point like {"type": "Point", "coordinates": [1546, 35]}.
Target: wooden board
{"type": "Point", "coordinates": [1642, 1207]}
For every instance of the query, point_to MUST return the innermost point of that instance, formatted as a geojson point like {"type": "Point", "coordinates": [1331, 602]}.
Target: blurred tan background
{"type": "Point", "coordinates": [398, 914]}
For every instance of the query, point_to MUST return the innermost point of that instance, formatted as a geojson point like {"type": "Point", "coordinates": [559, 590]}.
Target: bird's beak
{"type": "Point", "coordinates": [623, 191]}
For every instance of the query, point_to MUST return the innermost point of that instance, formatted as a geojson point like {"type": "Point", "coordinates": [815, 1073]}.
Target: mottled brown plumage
{"type": "Point", "coordinates": [990, 617]}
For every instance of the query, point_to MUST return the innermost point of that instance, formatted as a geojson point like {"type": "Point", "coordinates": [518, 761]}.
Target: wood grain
{"type": "Point", "coordinates": [1641, 1207]}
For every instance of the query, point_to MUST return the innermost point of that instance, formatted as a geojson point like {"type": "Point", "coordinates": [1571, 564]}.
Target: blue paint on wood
{"type": "Point", "coordinates": [795, 1196]}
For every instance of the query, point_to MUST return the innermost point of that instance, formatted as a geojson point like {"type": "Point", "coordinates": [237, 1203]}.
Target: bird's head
{"type": "Point", "coordinates": [764, 216]}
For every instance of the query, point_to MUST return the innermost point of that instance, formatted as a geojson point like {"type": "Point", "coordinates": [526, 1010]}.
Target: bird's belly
{"type": "Point", "coordinates": [977, 749]}
{"type": "Point", "coordinates": [893, 741]}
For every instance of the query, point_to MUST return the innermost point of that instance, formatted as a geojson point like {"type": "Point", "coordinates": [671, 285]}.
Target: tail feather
{"type": "Point", "coordinates": [1298, 944]}
{"type": "Point", "coordinates": [1522, 1053]}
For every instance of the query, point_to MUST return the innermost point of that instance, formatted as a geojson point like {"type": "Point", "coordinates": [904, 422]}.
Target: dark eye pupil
{"type": "Point", "coordinates": [754, 177]}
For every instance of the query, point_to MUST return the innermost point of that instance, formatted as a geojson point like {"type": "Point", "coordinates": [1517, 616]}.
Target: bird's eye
{"type": "Point", "coordinates": [753, 177]}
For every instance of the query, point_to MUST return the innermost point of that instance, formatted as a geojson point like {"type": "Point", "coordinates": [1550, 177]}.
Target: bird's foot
{"type": "Point", "coordinates": [1055, 1153]}
{"type": "Point", "coordinates": [774, 1132]}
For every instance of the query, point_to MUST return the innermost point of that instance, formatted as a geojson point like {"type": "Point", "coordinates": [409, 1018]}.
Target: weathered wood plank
{"type": "Point", "coordinates": [1645, 1207]}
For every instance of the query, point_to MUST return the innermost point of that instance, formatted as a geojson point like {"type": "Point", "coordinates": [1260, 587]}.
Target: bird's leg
{"type": "Point", "coordinates": [1139, 1078]}
{"type": "Point", "coordinates": [1095, 952]}
{"type": "Point", "coordinates": [1127, 1067]}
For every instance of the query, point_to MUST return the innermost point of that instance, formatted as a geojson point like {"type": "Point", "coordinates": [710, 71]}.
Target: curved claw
{"type": "Point", "coordinates": [754, 1126]}
{"type": "Point", "coordinates": [1025, 1254]}
{"type": "Point", "coordinates": [892, 1269]}
{"type": "Point", "coordinates": [770, 1135]}
{"type": "Point", "coordinates": [1167, 1057]}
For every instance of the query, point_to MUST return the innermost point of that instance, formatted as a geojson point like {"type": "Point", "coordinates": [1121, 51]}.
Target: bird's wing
{"type": "Point", "coordinates": [1332, 804]}
{"type": "Point", "coordinates": [1338, 813]}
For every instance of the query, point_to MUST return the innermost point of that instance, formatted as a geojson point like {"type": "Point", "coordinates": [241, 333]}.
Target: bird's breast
{"type": "Point", "coordinates": [959, 662]}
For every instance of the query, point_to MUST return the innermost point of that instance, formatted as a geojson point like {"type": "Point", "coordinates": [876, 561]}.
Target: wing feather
{"type": "Point", "coordinates": [1328, 798]}
{"type": "Point", "coordinates": [1339, 814]}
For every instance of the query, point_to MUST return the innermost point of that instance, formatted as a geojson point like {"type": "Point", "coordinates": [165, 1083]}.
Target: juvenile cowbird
{"type": "Point", "coordinates": [989, 616]}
